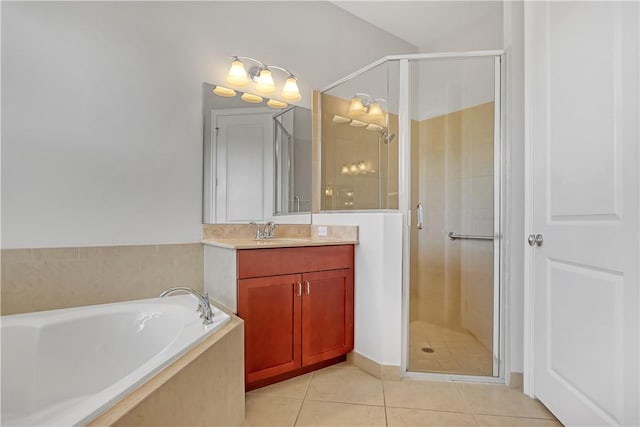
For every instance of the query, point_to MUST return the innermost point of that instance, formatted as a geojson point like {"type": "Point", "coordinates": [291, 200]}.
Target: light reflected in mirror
{"type": "Point", "coordinates": [257, 159]}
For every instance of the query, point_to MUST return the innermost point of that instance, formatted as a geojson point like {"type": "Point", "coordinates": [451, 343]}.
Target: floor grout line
{"type": "Point", "coordinates": [347, 403]}
{"type": "Point", "coordinates": [304, 398]}
{"type": "Point", "coordinates": [468, 407]}
{"type": "Point", "coordinates": [384, 400]}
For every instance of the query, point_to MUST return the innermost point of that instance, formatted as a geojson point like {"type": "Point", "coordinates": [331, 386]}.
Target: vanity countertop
{"type": "Point", "coordinates": [278, 242]}
{"type": "Point", "coordinates": [242, 236]}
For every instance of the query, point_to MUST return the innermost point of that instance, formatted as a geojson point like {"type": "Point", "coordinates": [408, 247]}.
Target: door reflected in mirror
{"type": "Point", "coordinates": [257, 159]}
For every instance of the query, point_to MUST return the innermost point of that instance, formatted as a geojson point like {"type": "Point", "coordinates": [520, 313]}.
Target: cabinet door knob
{"type": "Point", "coordinates": [308, 285]}
{"type": "Point", "coordinates": [299, 293]}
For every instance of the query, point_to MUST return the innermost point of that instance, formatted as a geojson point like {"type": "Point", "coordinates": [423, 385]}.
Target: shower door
{"type": "Point", "coordinates": [453, 301]}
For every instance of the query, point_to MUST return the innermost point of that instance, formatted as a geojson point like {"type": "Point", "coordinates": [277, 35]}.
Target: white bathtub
{"type": "Point", "coordinates": [64, 367]}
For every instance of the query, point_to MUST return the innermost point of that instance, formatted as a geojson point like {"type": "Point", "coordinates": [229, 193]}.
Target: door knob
{"type": "Point", "coordinates": [535, 240]}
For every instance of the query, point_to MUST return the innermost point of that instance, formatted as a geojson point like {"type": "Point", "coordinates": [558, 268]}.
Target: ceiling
{"type": "Point", "coordinates": [431, 24]}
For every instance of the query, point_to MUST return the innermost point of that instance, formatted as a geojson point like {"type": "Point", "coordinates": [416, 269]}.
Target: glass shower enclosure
{"type": "Point", "coordinates": [422, 134]}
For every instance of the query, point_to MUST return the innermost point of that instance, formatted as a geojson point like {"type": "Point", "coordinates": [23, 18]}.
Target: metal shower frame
{"type": "Point", "coordinates": [501, 310]}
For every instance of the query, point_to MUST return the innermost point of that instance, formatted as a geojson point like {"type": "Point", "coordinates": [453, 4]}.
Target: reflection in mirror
{"type": "Point", "coordinates": [257, 159]}
{"type": "Point", "coordinates": [293, 160]}
{"type": "Point", "coordinates": [359, 148]}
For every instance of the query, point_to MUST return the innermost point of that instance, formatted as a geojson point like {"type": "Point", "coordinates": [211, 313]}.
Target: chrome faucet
{"type": "Point", "coordinates": [270, 230]}
{"type": "Point", "coordinates": [206, 314]}
{"type": "Point", "coordinates": [260, 231]}
{"type": "Point", "coordinates": [265, 231]}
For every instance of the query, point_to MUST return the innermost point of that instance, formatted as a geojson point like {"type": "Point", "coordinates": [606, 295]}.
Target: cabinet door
{"type": "Point", "coordinates": [327, 315]}
{"type": "Point", "coordinates": [270, 307]}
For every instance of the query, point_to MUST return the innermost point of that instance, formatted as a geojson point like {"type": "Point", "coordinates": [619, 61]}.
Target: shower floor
{"type": "Point", "coordinates": [454, 351]}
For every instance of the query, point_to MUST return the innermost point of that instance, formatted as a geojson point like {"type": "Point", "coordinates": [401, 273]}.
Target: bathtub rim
{"type": "Point", "coordinates": [119, 409]}
{"type": "Point", "coordinates": [39, 319]}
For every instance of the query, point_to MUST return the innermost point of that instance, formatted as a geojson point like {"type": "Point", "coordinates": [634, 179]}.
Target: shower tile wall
{"type": "Point", "coordinates": [452, 282]}
{"type": "Point", "coordinates": [476, 218]}
{"type": "Point", "coordinates": [51, 278]}
{"type": "Point", "coordinates": [343, 144]}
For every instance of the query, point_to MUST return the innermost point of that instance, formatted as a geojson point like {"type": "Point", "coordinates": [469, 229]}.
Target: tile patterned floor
{"type": "Point", "coordinates": [344, 395]}
{"type": "Point", "coordinates": [455, 351]}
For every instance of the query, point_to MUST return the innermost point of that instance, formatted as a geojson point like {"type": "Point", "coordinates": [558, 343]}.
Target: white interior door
{"type": "Point", "coordinates": [582, 94]}
{"type": "Point", "coordinates": [244, 167]}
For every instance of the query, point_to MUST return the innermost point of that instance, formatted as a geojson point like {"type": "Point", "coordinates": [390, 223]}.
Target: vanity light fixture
{"type": "Point", "coordinates": [224, 91]}
{"type": "Point", "coordinates": [358, 124]}
{"type": "Point", "coordinates": [357, 108]}
{"type": "Point", "coordinates": [277, 104]}
{"type": "Point", "coordinates": [340, 119]}
{"type": "Point", "coordinates": [359, 167]}
{"type": "Point", "coordinates": [264, 82]}
{"type": "Point", "coordinates": [364, 104]}
{"type": "Point", "coordinates": [261, 74]}
{"type": "Point", "coordinates": [374, 127]}
{"type": "Point", "coordinates": [251, 98]}
{"type": "Point", "coordinates": [290, 91]}
{"type": "Point", "coordinates": [237, 74]}
{"type": "Point", "coordinates": [375, 111]}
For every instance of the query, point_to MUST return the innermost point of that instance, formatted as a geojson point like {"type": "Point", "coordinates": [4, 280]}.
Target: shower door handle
{"type": "Point", "coordinates": [420, 216]}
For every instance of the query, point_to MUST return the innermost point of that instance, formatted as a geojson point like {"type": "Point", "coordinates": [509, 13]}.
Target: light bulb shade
{"type": "Point", "coordinates": [251, 98]}
{"type": "Point", "coordinates": [358, 124]}
{"type": "Point", "coordinates": [237, 74]}
{"type": "Point", "coordinates": [264, 83]}
{"type": "Point", "coordinates": [375, 111]}
{"type": "Point", "coordinates": [356, 108]}
{"type": "Point", "coordinates": [276, 104]}
{"type": "Point", "coordinates": [345, 169]}
{"type": "Point", "coordinates": [374, 127]}
{"type": "Point", "coordinates": [340, 119]}
{"type": "Point", "coordinates": [290, 91]}
{"type": "Point", "coordinates": [224, 91]}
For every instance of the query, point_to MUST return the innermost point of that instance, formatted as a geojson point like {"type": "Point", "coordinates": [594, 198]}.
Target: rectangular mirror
{"type": "Point", "coordinates": [257, 160]}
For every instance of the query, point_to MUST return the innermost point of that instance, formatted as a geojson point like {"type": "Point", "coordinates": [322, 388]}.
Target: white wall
{"type": "Point", "coordinates": [101, 106]}
{"type": "Point", "coordinates": [378, 282]}
{"type": "Point", "coordinates": [448, 94]}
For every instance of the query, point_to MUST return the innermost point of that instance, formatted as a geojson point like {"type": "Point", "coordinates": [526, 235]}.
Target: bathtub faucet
{"type": "Point", "coordinates": [203, 302]}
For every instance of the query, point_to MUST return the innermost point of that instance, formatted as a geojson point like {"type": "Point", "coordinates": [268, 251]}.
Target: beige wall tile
{"type": "Point", "coordinates": [454, 176]}
{"type": "Point", "coordinates": [99, 252]}
{"type": "Point", "coordinates": [16, 255]}
{"type": "Point", "coordinates": [54, 253]}
{"type": "Point", "coordinates": [315, 413]}
{"type": "Point", "coordinates": [45, 279]}
{"type": "Point", "coordinates": [344, 144]}
{"type": "Point", "coordinates": [138, 251]}
{"type": "Point", "coordinates": [179, 250]}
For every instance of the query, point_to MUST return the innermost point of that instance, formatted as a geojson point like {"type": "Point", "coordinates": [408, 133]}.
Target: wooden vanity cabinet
{"type": "Point", "coordinates": [297, 305]}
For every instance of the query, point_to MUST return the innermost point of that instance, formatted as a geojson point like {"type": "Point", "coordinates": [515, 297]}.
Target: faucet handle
{"type": "Point", "coordinates": [260, 232]}
{"type": "Point", "coordinates": [270, 229]}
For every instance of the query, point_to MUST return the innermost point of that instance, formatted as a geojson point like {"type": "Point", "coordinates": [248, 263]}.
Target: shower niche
{"type": "Point", "coordinates": [421, 134]}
